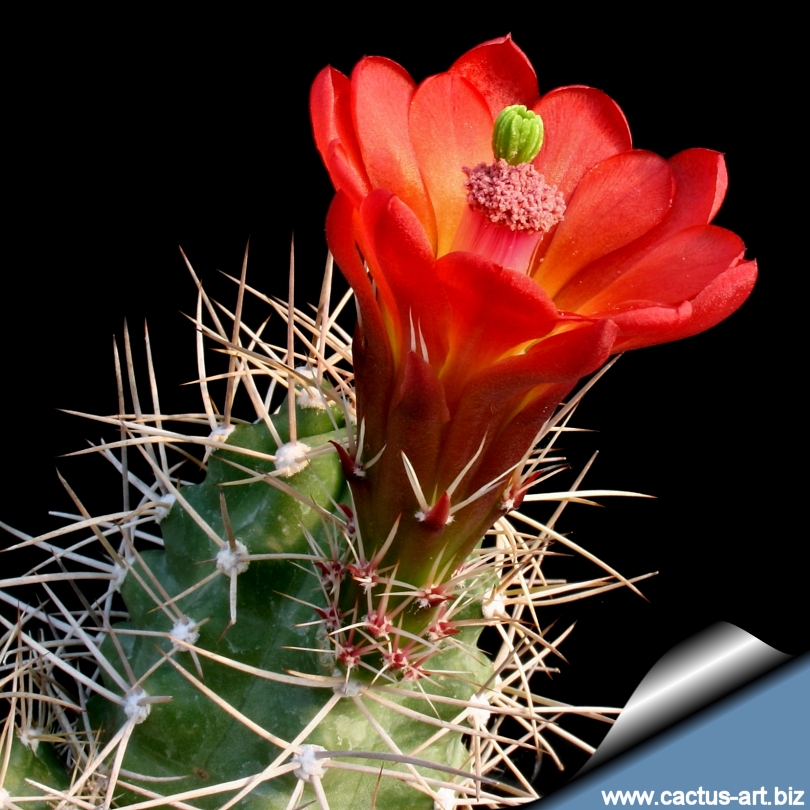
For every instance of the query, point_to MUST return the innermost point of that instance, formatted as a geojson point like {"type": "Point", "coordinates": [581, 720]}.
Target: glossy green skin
{"type": "Point", "coordinates": [193, 738]}
{"type": "Point", "coordinates": [43, 767]}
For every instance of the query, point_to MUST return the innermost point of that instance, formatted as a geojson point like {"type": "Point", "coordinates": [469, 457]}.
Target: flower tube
{"type": "Point", "coordinates": [495, 264]}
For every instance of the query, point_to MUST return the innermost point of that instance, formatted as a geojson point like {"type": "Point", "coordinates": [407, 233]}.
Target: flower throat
{"type": "Point", "coordinates": [510, 206]}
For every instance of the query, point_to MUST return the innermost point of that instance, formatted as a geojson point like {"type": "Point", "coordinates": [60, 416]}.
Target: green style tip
{"type": "Point", "coordinates": [517, 136]}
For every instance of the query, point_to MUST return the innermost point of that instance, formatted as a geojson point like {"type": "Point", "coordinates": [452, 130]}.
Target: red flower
{"type": "Point", "coordinates": [470, 335]}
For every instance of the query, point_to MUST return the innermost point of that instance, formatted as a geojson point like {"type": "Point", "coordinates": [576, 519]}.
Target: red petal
{"type": "Point", "coordinates": [493, 310]}
{"type": "Point", "coordinates": [501, 72]}
{"type": "Point", "coordinates": [675, 271]}
{"type": "Point", "coordinates": [575, 353]}
{"type": "Point", "coordinates": [649, 320]}
{"type": "Point", "coordinates": [373, 364]}
{"type": "Point", "coordinates": [330, 109]}
{"type": "Point", "coordinates": [700, 178]}
{"type": "Point", "coordinates": [329, 84]}
{"type": "Point", "coordinates": [402, 264]}
{"type": "Point", "coordinates": [582, 127]}
{"type": "Point", "coordinates": [345, 175]}
{"type": "Point", "coordinates": [381, 98]}
{"type": "Point", "coordinates": [720, 298]}
{"type": "Point", "coordinates": [451, 127]}
{"type": "Point", "coordinates": [340, 237]}
{"type": "Point", "coordinates": [496, 394]}
{"type": "Point", "coordinates": [618, 201]}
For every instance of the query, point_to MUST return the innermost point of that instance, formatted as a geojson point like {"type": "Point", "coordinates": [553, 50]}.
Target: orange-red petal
{"type": "Point", "coordinates": [582, 127]}
{"type": "Point", "coordinates": [451, 127]}
{"type": "Point", "coordinates": [501, 72]}
{"type": "Point", "coordinates": [330, 110]}
{"type": "Point", "coordinates": [716, 302]}
{"type": "Point", "coordinates": [492, 310]}
{"type": "Point", "coordinates": [372, 355]}
{"type": "Point", "coordinates": [497, 393]}
{"type": "Point", "coordinates": [402, 264]}
{"type": "Point", "coordinates": [700, 180]}
{"type": "Point", "coordinates": [618, 201]}
{"type": "Point", "coordinates": [674, 271]}
{"type": "Point", "coordinates": [381, 97]}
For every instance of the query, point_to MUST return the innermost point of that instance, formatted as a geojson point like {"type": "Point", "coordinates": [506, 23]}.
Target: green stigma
{"type": "Point", "coordinates": [518, 135]}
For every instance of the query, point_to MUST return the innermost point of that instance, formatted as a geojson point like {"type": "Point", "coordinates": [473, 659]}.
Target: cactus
{"type": "Point", "coordinates": [243, 669]}
{"type": "Point", "coordinates": [331, 599]}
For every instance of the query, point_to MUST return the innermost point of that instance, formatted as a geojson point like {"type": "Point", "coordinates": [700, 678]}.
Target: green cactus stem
{"type": "Point", "coordinates": [235, 648]}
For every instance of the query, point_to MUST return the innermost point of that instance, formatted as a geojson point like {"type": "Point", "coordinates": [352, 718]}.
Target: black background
{"type": "Point", "coordinates": [162, 133]}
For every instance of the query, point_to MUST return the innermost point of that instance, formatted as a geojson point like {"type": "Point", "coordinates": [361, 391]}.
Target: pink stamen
{"type": "Point", "coordinates": [515, 196]}
{"type": "Point", "coordinates": [510, 210]}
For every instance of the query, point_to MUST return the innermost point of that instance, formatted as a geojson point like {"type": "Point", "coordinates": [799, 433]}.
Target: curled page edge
{"type": "Point", "coordinates": [692, 675]}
